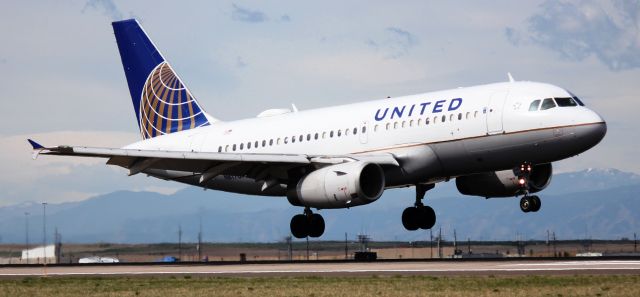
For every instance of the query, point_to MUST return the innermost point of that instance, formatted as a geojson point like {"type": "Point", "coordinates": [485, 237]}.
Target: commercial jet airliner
{"type": "Point", "coordinates": [495, 140]}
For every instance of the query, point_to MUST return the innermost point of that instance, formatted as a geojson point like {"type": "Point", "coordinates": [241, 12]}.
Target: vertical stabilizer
{"type": "Point", "coordinates": [162, 103]}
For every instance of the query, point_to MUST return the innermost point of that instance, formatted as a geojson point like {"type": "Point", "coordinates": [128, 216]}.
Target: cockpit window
{"type": "Point", "coordinates": [566, 101]}
{"type": "Point", "coordinates": [578, 100]}
{"type": "Point", "coordinates": [547, 103]}
{"type": "Point", "coordinates": [575, 98]}
{"type": "Point", "coordinates": [534, 105]}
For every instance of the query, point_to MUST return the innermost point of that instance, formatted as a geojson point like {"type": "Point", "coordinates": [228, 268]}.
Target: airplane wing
{"type": "Point", "coordinates": [207, 164]}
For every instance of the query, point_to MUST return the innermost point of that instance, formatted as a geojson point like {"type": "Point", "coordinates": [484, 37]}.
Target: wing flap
{"type": "Point", "coordinates": [209, 164]}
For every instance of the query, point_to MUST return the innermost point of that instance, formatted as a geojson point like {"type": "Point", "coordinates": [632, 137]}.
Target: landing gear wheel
{"type": "Point", "coordinates": [526, 204]}
{"type": "Point", "coordinates": [427, 217]}
{"type": "Point", "coordinates": [410, 218]}
{"type": "Point", "coordinates": [316, 225]}
{"type": "Point", "coordinates": [536, 203]}
{"type": "Point", "coordinates": [299, 226]}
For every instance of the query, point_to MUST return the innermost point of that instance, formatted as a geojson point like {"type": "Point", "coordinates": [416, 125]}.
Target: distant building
{"type": "Point", "coordinates": [39, 254]}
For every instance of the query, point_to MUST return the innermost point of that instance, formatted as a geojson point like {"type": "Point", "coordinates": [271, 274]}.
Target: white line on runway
{"type": "Point", "coordinates": [237, 272]}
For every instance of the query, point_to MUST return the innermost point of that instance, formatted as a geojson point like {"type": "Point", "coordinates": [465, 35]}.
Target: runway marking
{"type": "Point", "coordinates": [577, 263]}
{"type": "Point", "coordinates": [320, 271]}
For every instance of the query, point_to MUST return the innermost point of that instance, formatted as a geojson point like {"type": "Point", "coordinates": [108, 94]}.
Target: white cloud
{"type": "Point", "coordinates": [608, 30]}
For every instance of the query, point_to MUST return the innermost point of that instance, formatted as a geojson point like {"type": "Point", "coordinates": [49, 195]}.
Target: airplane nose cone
{"type": "Point", "coordinates": [591, 134]}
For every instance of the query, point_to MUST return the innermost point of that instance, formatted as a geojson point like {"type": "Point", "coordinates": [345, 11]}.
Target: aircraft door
{"type": "Point", "coordinates": [495, 111]}
{"type": "Point", "coordinates": [364, 132]}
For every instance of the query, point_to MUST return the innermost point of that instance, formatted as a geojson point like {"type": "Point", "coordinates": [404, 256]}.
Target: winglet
{"type": "Point", "coordinates": [37, 148]}
{"type": "Point", "coordinates": [35, 145]}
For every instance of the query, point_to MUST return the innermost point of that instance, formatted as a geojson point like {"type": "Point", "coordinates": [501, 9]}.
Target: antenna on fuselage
{"type": "Point", "coordinates": [510, 77]}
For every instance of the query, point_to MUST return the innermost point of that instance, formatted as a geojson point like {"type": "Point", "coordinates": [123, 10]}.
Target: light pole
{"type": "Point", "coordinates": [44, 232]}
{"type": "Point", "coordinates": [26, 232]}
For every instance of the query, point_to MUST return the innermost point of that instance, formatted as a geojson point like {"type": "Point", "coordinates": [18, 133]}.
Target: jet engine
{"type": "Point", "coordinates": [339, 186]}
{"type": "Point", "coordinates": [503, 183]}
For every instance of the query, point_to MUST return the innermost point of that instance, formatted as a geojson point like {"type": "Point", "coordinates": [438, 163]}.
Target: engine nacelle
{"type": "Point", "coordinates": [503, 183]}
{"type": "Point", "coordinates": [339, 186]}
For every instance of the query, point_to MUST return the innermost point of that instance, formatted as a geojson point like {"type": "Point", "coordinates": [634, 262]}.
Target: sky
{"type": "Point", "coordinates": [61, 80]}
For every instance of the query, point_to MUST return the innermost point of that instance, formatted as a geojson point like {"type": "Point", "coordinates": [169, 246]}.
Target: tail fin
{"type": "Point", "coordinates": [162, 103]}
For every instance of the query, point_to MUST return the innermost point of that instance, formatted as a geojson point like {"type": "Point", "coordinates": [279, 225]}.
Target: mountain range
{"type": "Point", "coordinates": [594, 203]}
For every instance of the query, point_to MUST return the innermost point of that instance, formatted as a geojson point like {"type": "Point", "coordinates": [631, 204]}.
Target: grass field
{"type": "Point", "coordinates": [597, 285]}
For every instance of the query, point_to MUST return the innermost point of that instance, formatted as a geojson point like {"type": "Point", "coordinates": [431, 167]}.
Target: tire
{"type": "Point", "coordinates": [316, 225]}
{"type": "Point", "coordinates": [427, 217]}
{"type": "Point", "coordinates": [410, 218]}
{"type": "Point", "coordinates": [299, 226]}
{"type": "Point", "coordinates": [536, 203]}
{"type": "Point", "coordinates": [526, 204]}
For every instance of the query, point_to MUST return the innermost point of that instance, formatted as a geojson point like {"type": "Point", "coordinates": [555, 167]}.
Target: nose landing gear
{"type": "Point", "coordinates": [419, 216]}
{"type": "Point", "coordinates": [307, 224]}
{"type": "Point", "coordinates": [528, 203]}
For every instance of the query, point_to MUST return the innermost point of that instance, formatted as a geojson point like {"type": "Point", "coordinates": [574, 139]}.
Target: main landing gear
{"type": "Point", "coordinates": [528, 203]}
{"type": "Point", "coordinates": [419, 216]}
{"type": "Point", "coordinates": [307, 224]}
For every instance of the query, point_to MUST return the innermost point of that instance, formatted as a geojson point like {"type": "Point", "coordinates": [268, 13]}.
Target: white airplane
{"type": "Point", "coordinates": [496, 140]}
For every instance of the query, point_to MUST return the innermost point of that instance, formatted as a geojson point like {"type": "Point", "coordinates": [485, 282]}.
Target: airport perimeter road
{"type": "Point", "coordinates": [345, 268]}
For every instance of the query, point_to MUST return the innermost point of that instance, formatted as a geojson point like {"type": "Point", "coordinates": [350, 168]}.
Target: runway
{"type": "Point", "coordinates": [457, 268]}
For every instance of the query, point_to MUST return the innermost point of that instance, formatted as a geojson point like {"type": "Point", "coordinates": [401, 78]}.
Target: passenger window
{"type": "Point", "coordinates": [331, 134]}
{"type": "Point", "coordinates": [411, 123]}
{"type": "Point", "coordinates": [566, 101]}
{"type": "Point", "coordinates": [467, 115]}
{"type": "Point", "coordinates": [426, 121]}
{"type": "Point", "coordinates": [226, 148]}
{"type": "Point", "coordinates": [278, 141]}
{"type": "Point", "coordinates": [364, 129]}
{"type": "Point", "coordinates": [286, 140]}
{"type": "Point", "coordinates": [241, 146]}
{"type": "Point", "coordinates": [403, 123]}
{"type": "Point", "coordinates": [435, 120]}
{"type": "Point", "coordinates": [388, 126]}
{"type": "Point", "coordinates": [460, 116]}
{"type": "Point", "coordinates": [248, 145]}
{"type": "Point", "coordinates": [451, 118]}
{"type": "Point", "coordinates": [315, 136]}
{"type": "Point", "coordinates": [419, 122]}
{"type": "Point", "coordinates": [395, 125]}
{"type": "Point", "coordinates": [255, 144]}
{"type": "Point", "coordinates": [534, 105]}
{"type": "Point", "coordinates": [293, 139]}
{"type": "Point", "coordinates": [301, 138]}
{"type": "Point", "coordinates": [234, 147]}
{"type": "Point", "coordinates": [339, 133]}
{"type": "Point", "coordinates": [264, 143]}
{"type": "Point", "coordinates": [271, 142]}
{"type": "Point", "coordinates": [219, 149]}
{"type": "Point", "coordinates": [375, 128]}
{"type": "Point", "coordinates": [355, 131]}
{"type": "Point", "coordinates": [475, 114]}
{"type": "Point", "coordinates": [547, 104]}
{"type": "Point", "coordinates": [444, 118]}
{"type": "Point", "coordinates": [324, 135]}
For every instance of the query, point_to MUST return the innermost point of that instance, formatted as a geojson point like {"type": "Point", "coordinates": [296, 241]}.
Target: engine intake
{"type": "Point", "coordinates": [339, 186]}
{"type": "Point", "coordinates": [503, 183]}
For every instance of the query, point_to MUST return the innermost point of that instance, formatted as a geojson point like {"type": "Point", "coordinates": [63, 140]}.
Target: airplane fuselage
{"type": "Point", "coordinates": [436, 136]}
